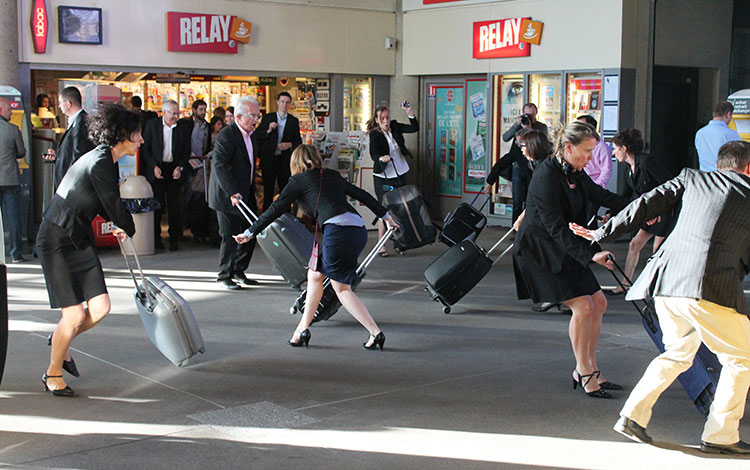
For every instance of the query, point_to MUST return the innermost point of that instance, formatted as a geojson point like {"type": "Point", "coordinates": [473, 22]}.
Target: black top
{"type": "Point", "coordinates": [305, 188]}
{"type": "Point", "coordinates": [152, 150]}
{"type": "Point", "coordinates": [649, 173]}
{"type": "Point", "coordinates": [231, 172]}
{"type": "Point", "coordinates": [379, 143]}
{"type": "Point", "coordinates": [74, 144]}
{"type": "Point", "coordinates": [552, 202]}
{"type": "Point", "coordinates": [269, 141]}
{"type": "Point", "coordinates": [89, 188]}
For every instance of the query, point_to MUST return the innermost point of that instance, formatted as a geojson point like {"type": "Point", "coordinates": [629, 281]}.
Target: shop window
{"type": "Point", "coordinates": [357, 103]}
{"type": "Point", "coordinates": [584, 95]}
{"type": "Point", "coordinates": [508, 96]}
{"type": "Point", "coordinates": [544, 92]}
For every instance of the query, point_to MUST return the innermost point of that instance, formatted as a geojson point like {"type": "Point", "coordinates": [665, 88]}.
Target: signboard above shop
{"type": "Point", "coordinates": [198, 32]}
{"type": "Point", "coordinates": [509, 37]}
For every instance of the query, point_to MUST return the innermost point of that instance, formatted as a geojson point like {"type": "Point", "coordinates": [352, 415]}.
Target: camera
{"type": "Point", "coordinates": [526, 120]}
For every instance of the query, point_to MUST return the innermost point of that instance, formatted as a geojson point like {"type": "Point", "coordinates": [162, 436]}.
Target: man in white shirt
{"type": "Point", "coordinates": [164, 154]}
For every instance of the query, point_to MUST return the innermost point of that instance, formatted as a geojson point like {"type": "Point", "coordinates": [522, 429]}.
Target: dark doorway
{"type": "Point", "coordinates": [674, 108]}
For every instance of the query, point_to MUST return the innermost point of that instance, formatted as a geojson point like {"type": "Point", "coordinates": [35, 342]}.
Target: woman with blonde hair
{"type": "Point", "coordinates": [321, 193]}
{"type": "Point", "coordinates": [553, 261]}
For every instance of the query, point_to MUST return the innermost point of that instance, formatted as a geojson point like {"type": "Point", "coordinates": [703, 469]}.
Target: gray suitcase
{"type": "Point", "coordinates": [287, 244]}
{"type": "Point", "coordinates": [166, 316]}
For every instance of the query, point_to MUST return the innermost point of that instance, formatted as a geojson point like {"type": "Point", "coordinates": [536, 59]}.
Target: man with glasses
{"type": "Point", "coordinates": [165, 153]}
{"type": "Point", "coordinates": [232, 179]}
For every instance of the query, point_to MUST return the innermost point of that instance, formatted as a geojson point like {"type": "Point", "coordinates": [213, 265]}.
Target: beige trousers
{"type": "Point", "coordinates": [685, 323]}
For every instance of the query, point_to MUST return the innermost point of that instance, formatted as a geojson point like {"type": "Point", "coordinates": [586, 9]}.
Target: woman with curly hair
{"type": "Point", "coordinates": [65, 243]}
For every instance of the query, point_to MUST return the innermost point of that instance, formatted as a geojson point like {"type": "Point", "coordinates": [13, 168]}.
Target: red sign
{"type": "Point", "coordinates": [499, 38]}
{"type": "Point", "coordinates": [197, 32]}
{"type": "Point", "coordinates": [39, 26]}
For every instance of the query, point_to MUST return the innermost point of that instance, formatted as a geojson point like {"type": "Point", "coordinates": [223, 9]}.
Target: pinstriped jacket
{"type": "Point", "coordinates": [707, 255]}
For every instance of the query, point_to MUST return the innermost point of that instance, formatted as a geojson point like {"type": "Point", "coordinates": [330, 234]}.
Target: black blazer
{"type": "Point", "coordinates": [305, 188]}
{"type": "Point", "coordinates": [152, 149]}
{"type": "Point", "coordinates": [74, 144]}
{"type": "Point", "coordinates": [268, 141]}
{"type": "Point", "coordinates": [89, 188]}
{"type": "Point", "coordinates": [231, 172]}
{"type": "Point", "coordinates": [649, 173]}
{"type": "Point", "coordinates": [379, 143]}
{"type": "Point", "coordinates": [544, 237]}
{"type": "Point", "coordinates": [188, 123]}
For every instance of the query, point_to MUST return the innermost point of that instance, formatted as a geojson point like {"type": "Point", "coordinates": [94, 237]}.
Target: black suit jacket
{"type": "Point", "coordinates": [649, 173]}
{"type": "Point", "coordinates": [74, 144]}
{"type": "Point", "coordinates": [231, 172]}
{"type": "Point", "coordinates": [188, 124]}
{"type": "Point", "coordinates": [379, 143]}
{"type": "Point", "coordinates": [89, 188]}
{"type": "Point", "coordinates": [269, 141]}
{"type": "Point", "coordinates": [544, 237]}
{"type": "Point", "coordinates": [152, 149]}
{"type": "Point", "coordinates": [305, 188]}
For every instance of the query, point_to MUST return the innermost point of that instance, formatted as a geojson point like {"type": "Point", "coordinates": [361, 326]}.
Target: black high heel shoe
{"type": "Point", "coordinates": [63, 392]}
{"type": "Point", "coordinates": [304, 338]}
{"type": "Point", "coordinates": [607, 385]}
{"type": "Point", "coordinates": [600, 393]}
{"type": "Point", "coordinates": [68, 366]}
{"type": "Point", "coordinates": [377, 340]}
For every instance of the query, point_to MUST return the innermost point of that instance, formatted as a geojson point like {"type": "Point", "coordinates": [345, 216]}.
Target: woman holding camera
{"type": "Point", "coordinates": [553, 261]}
{"type": "Point", "coordinates": [643, 173]}
{"type": "Point", "coordinates": [388, 152]}
{"type": "Point", "coordinates": [321, 193]}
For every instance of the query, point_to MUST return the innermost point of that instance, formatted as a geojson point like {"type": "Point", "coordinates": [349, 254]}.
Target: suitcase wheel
{"type": "Point", "coordinates": [400, 252]}
{"type": "Point", "coordinates": [446, 310]}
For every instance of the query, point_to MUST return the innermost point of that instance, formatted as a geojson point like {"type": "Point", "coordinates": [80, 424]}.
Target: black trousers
{"type": "Point", "coordinates": [275, 170]}
{"type": "Point", "coordinates": [167, 190]}
{"type": "Point", "coordinates": [520, 189]}
{"type": "Point", "coordinates": [234, 258]}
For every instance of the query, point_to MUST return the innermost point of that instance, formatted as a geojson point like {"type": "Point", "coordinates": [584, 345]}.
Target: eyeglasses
{"type": "Point", "coordinates": [252, 116]}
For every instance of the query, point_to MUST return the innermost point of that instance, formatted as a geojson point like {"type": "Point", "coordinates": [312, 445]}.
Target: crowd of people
{"type": "Point", "coordinates": [697, 219]}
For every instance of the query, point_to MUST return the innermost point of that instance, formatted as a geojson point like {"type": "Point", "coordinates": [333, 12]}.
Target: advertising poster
{"type": "Point", "coordinates": [449, 142]}
{"type": "Point", "coordinates": [476, 135]}
{"type": "Point", "coordinates": [511, 107]}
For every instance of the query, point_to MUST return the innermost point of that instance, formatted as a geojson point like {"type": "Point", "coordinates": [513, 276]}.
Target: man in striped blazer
{"type": "Point", "coordinates": [695, 279]}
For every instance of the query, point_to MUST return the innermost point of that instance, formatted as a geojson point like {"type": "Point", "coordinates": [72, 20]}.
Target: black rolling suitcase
{"type": "Point", "coordinates": [329, 303]}
{"type": "Point", "coordinates": [407, 207]}
{"type": "Point", "coordinates": [287, 243]}
{"type": "Point", "coordinates": [465, 222]}
{"type": "Point", "coordinates": [454, 273]}
{"type": "Point", "coordinates": [701, 379]}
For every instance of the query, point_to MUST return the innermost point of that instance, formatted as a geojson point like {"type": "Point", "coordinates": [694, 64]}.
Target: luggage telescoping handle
{"type": "Point", "coordinates": [245, 211]}
{"type": "Point", "coordinates": [646, 314]}
{"type": "Point", "coordinates": [140, 270]}
{"type": "Point", "coordinates": [371, 255]}
{"type": "Point", "coordinates": [484, 203]}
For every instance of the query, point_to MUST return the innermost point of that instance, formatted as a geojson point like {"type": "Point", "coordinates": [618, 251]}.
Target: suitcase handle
{"type": "Point", "coordinates": [507, 234]}
{"type": "Point", "coordinates": [648, 310]}
{"type": "Point", "coordinates": [130, 268]}
{"type": "Point", "coordinates": [371, 255]}
{"type": "Point", "coordinates": [245, 211]}
{"type": "Point", "coordinates": [484, 203]}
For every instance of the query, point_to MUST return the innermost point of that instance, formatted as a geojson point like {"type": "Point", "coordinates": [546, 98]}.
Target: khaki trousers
{"type": "Point", "coordinates": [685, 323]}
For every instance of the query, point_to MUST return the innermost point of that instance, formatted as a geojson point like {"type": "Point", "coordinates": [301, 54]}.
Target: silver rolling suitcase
{"type": "Point", "coordinates": [166, 316]}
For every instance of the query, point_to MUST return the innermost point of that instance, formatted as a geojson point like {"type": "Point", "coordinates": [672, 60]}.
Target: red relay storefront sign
{"type": "Point", "coordinates": [499, 38]}
{"type": "Point", "coordinates": [196, 32]}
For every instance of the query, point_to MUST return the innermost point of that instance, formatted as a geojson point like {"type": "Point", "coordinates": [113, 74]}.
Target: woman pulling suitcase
{"type": "Point", "coordinates": [553, 262]}
{"type": "Point", "coordinates": [321, 193]}
{"type": "Point", "coordinates": [65, 245]}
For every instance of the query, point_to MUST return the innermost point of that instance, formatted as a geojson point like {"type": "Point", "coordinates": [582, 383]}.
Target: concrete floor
{"type": "Point", "coordinates": [488, 386]}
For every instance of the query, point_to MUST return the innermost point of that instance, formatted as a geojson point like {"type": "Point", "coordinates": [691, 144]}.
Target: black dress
{"type": "Point", "coordinates": [65, 242]}
{"type": "Point", "coordinates": [552, 260]}
{"type": "Point", "coordinates": [649, 173]}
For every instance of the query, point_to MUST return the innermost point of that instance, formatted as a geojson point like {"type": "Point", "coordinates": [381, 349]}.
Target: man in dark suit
{"type": "Point", "coordinates": [695, 279]}
{"type": "Point", "coordinates": [75, 142]}
{"type": "Point", "coordinates": [164, 155]}
{"type": "Point", "coordinates": [278, 135]}
{"type": "Point", "coordinates": [198, 129]}
{"type": "Point", "coordinates": [143, 116]}
{"type": "Point", "coordinates": [232, 179]}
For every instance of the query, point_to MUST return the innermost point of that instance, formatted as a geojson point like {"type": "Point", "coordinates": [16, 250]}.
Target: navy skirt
{"type": "Point", "coordinates": [340, 250]}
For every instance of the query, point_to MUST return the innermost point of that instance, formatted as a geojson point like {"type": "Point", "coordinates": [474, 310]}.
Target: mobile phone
{"type": "Point", "coordinates": [405, 104]}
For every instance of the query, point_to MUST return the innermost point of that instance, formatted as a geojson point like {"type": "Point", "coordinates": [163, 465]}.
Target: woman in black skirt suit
{"type": "Point", "coordinates": [65, 242]}
{"type": "Point", "coordinates": [643, 173]}
{"type": "Point", "coordinates": [322, 193]}
{"type": "Point", "coordinates": [553, 261]}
